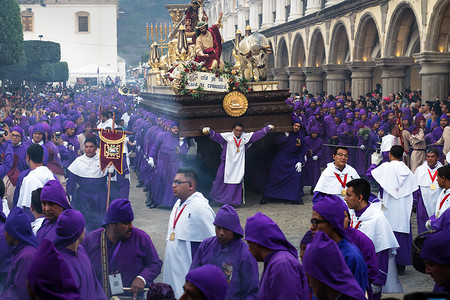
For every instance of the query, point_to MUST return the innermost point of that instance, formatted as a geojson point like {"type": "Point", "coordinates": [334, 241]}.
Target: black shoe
{"type": "Point", "coordinates": [149, 202]}
{"type": "Point", "coordinates": [297, 202]}
{"type": "Point", "coordinates": [263, 201]}
{"type": "Point", "coordinates": [311, 191]}
{"type": "Point", "coordinates": [145, 189]}
{"type": "Point", "coordinates": [401, 269]}
{"type": "Point", "coordinates": [154, 205]}
{"type": "Point", "coordinates": [140, 184]}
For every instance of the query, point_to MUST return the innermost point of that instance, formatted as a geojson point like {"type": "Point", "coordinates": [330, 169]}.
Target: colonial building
{"type": "Point", "coordinates": [337, 45]}
{"type": "Point", "coordinates": [85, 29]}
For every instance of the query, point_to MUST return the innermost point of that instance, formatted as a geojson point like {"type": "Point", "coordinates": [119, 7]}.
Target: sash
{"type": "Point", "coordinates": [104, 261]}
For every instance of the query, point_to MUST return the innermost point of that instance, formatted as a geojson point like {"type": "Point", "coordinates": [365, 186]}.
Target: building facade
{"type": "Point", "coordinates": [337, 45]}
{"type": "Point", "coordinates": [85, 29]}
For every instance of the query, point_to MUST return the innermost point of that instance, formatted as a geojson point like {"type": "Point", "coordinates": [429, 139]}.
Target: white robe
{"type": "Point", "coordinates": [423, 179]}
{"type": "Point", "coordinates": [387, 142]}
{"type": "Point", "coordinates": [376, 227]}
{"type": "Point", "coordinates": [194, 225]}
{"type": "Point", "coordinates": [37, 178]}
{"type": "Point", "coordinates": [87, 167]}
{"type": "Point", "coordinates": [104, 125]}
{"type": "Point", "coordinates": [398, 183]}
{"type": "Point", "coordinates": [234, 160]}
{"type": "Point", "coordinates": [329, 184]}
{"type": "Point", "coordinates": [438, 212]}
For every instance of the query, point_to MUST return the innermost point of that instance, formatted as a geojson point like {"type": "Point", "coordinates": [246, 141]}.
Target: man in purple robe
{"type": "Point", "coordinates": [347, 136]}
{"type": "Point", "coordinates": [285, 177]}
{"type": "Point", "coordinates": [18, 234]}
{"type": "Point", "coordinates": [129, 251]}
{"type": "Point", "coordinates": [86, 184]}
{"type": "Point", "coordinates": [7, 158]}
{"type": "Point", "coordinates": [436, 255]}
{"type": "Point", "coordinates": [49, 276]}
{"type": "Point", "coordinates": [313, 146]}
{"type": "Point", "coordinates": [227, 187]}
{"type": "Point", "coordinates": [328, 216]}
{"type": "Point", "coordinates": [71, 143]}
{"type": "Point", "coordinates": [327, 271]}
{"type": "Point", "coordinates": [361, 163]}
{"type": "Point", "coordinates": [283, 276]}
{"type": "Point", "coordinates": [70, 233]}
{"type": "Point", "coordinates": [20, 152]}
{"type": "Point", "coordinates": [206, 282]}
{"type": "Point", "coordinates": [6, 251]}
{"type": "Point", "coordinates": [168, 148]}
{"type": "Point", "coordinates": [37, 137]}
{"type": "Point", "coordinates": [227, 251]}
{"type": "Point", "coordinates": [54, 202]}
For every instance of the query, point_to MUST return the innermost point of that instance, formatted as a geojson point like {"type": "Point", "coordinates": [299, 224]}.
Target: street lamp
{"type": "Point", "coordinates": [40, 37]}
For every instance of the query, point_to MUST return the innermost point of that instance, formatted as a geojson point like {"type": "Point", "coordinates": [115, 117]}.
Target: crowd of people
{"type": "Point", "coordinates": [59, 240]}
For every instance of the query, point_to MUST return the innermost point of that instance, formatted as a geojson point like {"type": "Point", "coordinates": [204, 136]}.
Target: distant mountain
{"type": "Point", "coordinates": [133, 16]}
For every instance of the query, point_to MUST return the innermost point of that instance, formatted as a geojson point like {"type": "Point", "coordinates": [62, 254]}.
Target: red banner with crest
{"type": "Point", "coordinates": [111, 149]}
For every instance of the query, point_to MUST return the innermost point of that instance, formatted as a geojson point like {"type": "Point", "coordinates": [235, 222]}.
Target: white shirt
{"type": "Point", "coordinates": [328, 182]}
{"type": "Point", "coordinates": [37, 178]}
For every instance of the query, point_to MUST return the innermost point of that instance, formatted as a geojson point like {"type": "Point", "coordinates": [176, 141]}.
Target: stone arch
{"type": "Point", "coordinates": [298, 52]}
{"type": "Point", "coordinates": [282, 54]}
{"type": "Point", "coordinates": [317, 56]}
{"type": "Point", "coordinates": [402, 33]}
{"type": "Point", "coordinates": [339, 47]}
{"type": "Point", "coordinates": [438, 36]}
{"type": "Point", "coordinates": [367, 39]}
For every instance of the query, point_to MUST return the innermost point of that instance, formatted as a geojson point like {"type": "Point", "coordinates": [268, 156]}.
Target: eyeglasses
{"type": "Point", "coordinates": [177, 182]}
{"type": "Point", "coordinates": [315, 222]}
{"type": "Point", "coordinates": [16, 135]}
{"type": "Point", "coordinates": [342, 154]}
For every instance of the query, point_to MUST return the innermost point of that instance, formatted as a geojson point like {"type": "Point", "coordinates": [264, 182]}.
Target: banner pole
{"type": "Point", "coordinates": [109, 174]}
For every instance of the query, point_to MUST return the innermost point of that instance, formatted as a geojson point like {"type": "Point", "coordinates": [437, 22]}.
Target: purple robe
{"type": "Point", "coordinates": [6, 255]}
{"type": "Point", "coordinates": [319, 123]}
{"type": "Point", "coordinates": [136, 256]}
{"type": "Point", "coordinates": [21, 151]}
{"type": "Point", "coordinates": [421, 212]}
{"type": "Point", "coordinates": [229, 193]}
{"type": "Point", "coordinates": [282, 278]}
{"type": "Point", "coordinates": [83, 273]}
{"type": "Point", "coordinates": [46, 231]}
{"type": "Point", "coordinates": [243, 281]}
{"type": "Point", "coordinates": [7, 158]}
{"type": "Point", "coordinates": [313, 147]}
{"type": "Point", "coordinates": [89, 198]}
{"type": "Point", "coordinates": [72, 150]}
{"type": "Point", "coordinates": [284, 181]}
{"type": "Point", "coordinates": [331, 131]}
{"type": "Point", "coordinates": [169, 152]}
{"type": "Point", "coordinates": [120, 188]}
{"type": "Point", "coordinates": [15, 286]}
{"type": "Point", "coordinates": [347, 137]}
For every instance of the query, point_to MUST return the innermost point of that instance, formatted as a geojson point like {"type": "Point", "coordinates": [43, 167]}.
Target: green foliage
{"type": "Point", "coordinates": [61, 72]}
{"type": "Point", "coordinates": [42, 51]}
{"type": "Point", "coordinates": [11, 35]}
{"type": "Point", "coordinates": [41, 73]}
{"type": "Point", "coordinates": [14, 74]}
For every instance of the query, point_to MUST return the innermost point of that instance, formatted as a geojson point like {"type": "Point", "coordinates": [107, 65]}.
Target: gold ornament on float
{"type": "Point", "coordinates": [235, 104]}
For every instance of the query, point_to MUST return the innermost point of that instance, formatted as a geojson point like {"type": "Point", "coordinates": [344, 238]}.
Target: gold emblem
{"type": "Point", "coordinates": [172, 236]}
{"type": "Point", "coordinates": [235, 104]}
{"type": "Point", "coordinates": [344, 192]}
{"type": "Point", "coordinates": [433, 186]}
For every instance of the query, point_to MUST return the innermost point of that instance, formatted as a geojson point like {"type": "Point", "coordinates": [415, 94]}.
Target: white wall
{"type": "Point", "coordinates": [57, 22]}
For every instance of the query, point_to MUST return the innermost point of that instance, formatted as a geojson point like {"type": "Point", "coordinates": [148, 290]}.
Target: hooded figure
{"type": "Point", "coordinates": [227, 251]}
{"type": "Point", "coordinates": [327, 269]}
{"type": "Point", "coordinates": [49, 276]}
{"type": "Point", "coordinates": [281, 266]}
{"type": "Point", "coordinates": [210, 280]}
{"type": "Point", "coordinates": [18, 233]}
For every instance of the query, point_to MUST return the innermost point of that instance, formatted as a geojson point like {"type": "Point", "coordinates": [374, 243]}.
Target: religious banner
{"type": "Point", "coordinates": [208, 81]}
{"type": "Point", "coordinates": [111, 149]}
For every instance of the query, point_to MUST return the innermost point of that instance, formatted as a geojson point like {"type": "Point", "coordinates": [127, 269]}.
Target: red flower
{"type": "Point", "coordinates": [236, 84]}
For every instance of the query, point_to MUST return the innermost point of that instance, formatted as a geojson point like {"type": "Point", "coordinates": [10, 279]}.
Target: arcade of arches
{"type": "Point", "coordinates": [353, 45]}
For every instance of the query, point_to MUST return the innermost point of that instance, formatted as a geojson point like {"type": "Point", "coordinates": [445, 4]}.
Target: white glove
{"type": "Point", "coordinates": [362, 147]}
{"type": "Point", "coordinates": [270, 126]}
{"type": "Point", "coordinates": [180, 142]}
{"type": "Point", "coordinates": [428, 224]}
{"type": "Point", "coordinates": [376, 289]}
{"type": "Point", "coordinates": [376, 158]}
{"type": "Point", "coordinates": [298, 167]}
{"type": "Point", "coordinates": [127, 176]}
{"type": "Point", "coordinates": [151, 162]}
{"type": "Point", "coordinates": [206, 130]}
{"type": "Point", "coordinates": [66, 144]}
{"type": "Point", "coordinates": [111, 169]}
{"type": "Point", "coordinates": [315, 157]}
{"type": "Point", "coordinates": [138, 148]}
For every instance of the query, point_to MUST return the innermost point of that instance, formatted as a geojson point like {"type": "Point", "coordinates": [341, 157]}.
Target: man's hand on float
{"type": "Point", "coordinates": [206, 130]}
{"type": "Point", "coordinates": [137, 286]}
{"type": "Point", "coordinates": [270, 126]}
{"type": "Point", "coordinates": [298, 167]}
{"type": "Point", "coordinates": [151, 162]}
{"type": "Point", "coordinates": [315, 157]}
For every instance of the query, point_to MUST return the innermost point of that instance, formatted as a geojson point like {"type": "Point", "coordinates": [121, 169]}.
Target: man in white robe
{"type": "Point", "coordinates": [334, 178]}
{"type": "Point", "coordinates": [429, 190]}
{"type": "Point", "coordinates": [36, 178]}
{"type": "Point", "coordinates": [443, 201]}
{"type": "Point", "coordinates": [388, 141]}
{"type": "Point", "coordinates": [190, 222]}
{"type": "Point", "coordinates": [397, 185]}
{"type": "Point", "coordinates": [369, 219]}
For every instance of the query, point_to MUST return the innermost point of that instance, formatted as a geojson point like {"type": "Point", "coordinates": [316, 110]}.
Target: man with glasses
{"type": "Point", "coordinates": [336, 175]}
{"type": "Point", "coordinates": [191, 221]}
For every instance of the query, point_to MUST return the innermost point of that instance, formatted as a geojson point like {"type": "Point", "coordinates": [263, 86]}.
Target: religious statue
{"type": "Point", "coordinates": [194, 14]}
{"type": "Point", "coordinates": [208, 44]}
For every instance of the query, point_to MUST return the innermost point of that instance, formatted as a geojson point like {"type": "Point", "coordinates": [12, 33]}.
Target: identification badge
{"type": "Point", "coordinates": [115, 282]}
{"type": "Point", "coordinates": [172, 236]}
{"type": "Point", "coordinates": [344, 193]}
{"type": "Point", "coordinates": [433, 186]}
{"type": "Point", "coordinates": [238, 150]}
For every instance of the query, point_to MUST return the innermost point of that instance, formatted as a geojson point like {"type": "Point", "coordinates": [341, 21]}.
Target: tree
{"type": "Point", "coordinates": [11, 34]}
